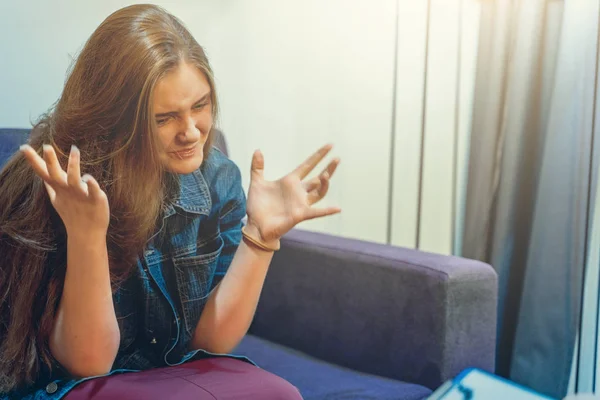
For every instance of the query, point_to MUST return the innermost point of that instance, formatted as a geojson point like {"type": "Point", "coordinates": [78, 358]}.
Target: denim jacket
{"type": "Point", "coordinates": [159, 306]}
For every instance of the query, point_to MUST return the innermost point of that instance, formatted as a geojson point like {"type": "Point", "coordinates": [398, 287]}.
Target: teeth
{"type": "Point", "coordinates": [182, 154]}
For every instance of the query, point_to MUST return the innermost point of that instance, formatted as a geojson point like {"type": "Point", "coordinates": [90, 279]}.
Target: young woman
{"type": "Point", "coordinates": [143, 261]}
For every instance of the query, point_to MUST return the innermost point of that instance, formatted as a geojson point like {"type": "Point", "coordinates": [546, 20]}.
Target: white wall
{"type": "Point", "coordinates": [435, 79]}
{"type": "Point", "coordinates": [294, 75]}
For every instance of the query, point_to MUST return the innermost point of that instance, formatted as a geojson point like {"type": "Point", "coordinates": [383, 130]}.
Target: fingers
{"type": "Point", "coordinates": [51, 192]}
{"type": "Point", "coordinates": [322, 191]}
{"type": "Point", "coordinates": [57, 175]}
{"type": "Point", "coordinates": [315, 183]}
{"type": "Point", "coordinates": [317, 194]}
{"type": "Point", "coordinates": [322, 212]}
{"type": "Point", "coordinates": [307, 166]}
{"type": "Point", "coordinates": [258, 165]}
{"type": "Point", "coordinates": [318, 187]}
{"type": "Point", "coordinates": [36, 162]}
{"type": "Point", "coordinates": [312, 184]}
{"type": "Point", "coordinates": [93, 188]}
{"type": "Point", "coordinates": [55, 178]}
{"type": "Point", "coordinates": [74, 170]}
{"type": "Point", "coordinates": [332, 166]}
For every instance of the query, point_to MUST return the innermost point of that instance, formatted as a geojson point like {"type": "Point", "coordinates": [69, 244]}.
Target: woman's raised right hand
{"type": "Point", "coordinates": [79, 201]}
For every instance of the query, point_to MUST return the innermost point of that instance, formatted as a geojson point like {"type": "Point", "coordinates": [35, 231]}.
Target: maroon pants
{"type": "Point", "coordinates": [214, 378]}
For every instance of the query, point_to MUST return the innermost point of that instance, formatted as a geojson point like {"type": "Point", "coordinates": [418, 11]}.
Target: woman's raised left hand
{"type": "Point", "coordinates": [275, 207]}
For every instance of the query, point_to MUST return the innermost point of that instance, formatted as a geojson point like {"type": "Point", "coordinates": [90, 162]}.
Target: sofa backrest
{"type": "Point", "coordinates": [12, 138]}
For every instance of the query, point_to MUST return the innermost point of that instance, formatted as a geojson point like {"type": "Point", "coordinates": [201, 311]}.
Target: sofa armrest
{"type": "Point", "coordinates": [394, 312]}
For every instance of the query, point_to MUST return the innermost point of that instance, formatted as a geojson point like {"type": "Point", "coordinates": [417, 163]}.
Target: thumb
{"type": "Point", "coordinates": [258, 165]}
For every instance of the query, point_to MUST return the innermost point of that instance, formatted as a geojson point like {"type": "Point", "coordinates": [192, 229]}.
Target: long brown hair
{"type": "Point", "coordinates": [106, 110]}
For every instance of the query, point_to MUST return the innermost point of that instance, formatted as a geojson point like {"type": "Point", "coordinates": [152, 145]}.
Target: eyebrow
{"type": "Point", "coordinates": [171, 113]}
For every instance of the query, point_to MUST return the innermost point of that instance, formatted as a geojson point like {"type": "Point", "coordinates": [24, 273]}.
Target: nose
{"type": "Point", "coordinates": [190, 132]}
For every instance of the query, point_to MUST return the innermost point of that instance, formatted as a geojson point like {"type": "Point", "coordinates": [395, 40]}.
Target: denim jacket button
{"type": "Point", "coordinates": [153, 341]}
{"type": "Point", "coordinates": [51, 388]}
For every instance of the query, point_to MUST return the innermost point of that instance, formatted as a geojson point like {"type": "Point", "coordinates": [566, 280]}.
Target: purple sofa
{"type": "Point", "coordinates": [347, 319]}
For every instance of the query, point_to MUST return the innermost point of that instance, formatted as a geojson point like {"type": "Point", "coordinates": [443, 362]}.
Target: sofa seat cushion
{"type": "Point", "coordinates": [318, 380]}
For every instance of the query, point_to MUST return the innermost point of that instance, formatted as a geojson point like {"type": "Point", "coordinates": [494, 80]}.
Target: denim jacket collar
{"type": "Point", "coordinates": [194, 195]}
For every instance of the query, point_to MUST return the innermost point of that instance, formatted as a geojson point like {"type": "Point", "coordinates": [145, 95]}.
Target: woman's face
{"type": "Point", "coordinates": [183, 114]}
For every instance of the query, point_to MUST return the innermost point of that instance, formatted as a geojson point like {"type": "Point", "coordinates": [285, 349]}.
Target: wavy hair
{"type": "Point", "coordinates": [106, 110]}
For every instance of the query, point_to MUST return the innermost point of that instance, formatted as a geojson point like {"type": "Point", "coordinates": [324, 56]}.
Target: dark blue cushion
{"type": "Point", "coordinates": [318, 380]}
{"type": "Point", "coordinates": [10, 140]}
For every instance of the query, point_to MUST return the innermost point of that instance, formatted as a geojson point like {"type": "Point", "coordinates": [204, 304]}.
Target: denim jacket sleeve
{"type": "Point", "coordinates": [232, 211]}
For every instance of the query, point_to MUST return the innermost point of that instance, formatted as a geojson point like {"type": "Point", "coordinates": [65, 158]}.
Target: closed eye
{"type": "Point", "coordinates": [164, 118]}
{"type": "Point", "coordinates": [200, 106]}
{"type": "Point", "coordinates": [162, 121]}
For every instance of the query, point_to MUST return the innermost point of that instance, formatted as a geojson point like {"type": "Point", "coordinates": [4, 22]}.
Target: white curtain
{"type": "Point", "coordinates": [530, 177]}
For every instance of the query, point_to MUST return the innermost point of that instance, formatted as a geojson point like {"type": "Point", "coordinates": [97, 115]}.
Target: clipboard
{"type": "Point", "coordinates": [477, 384]}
